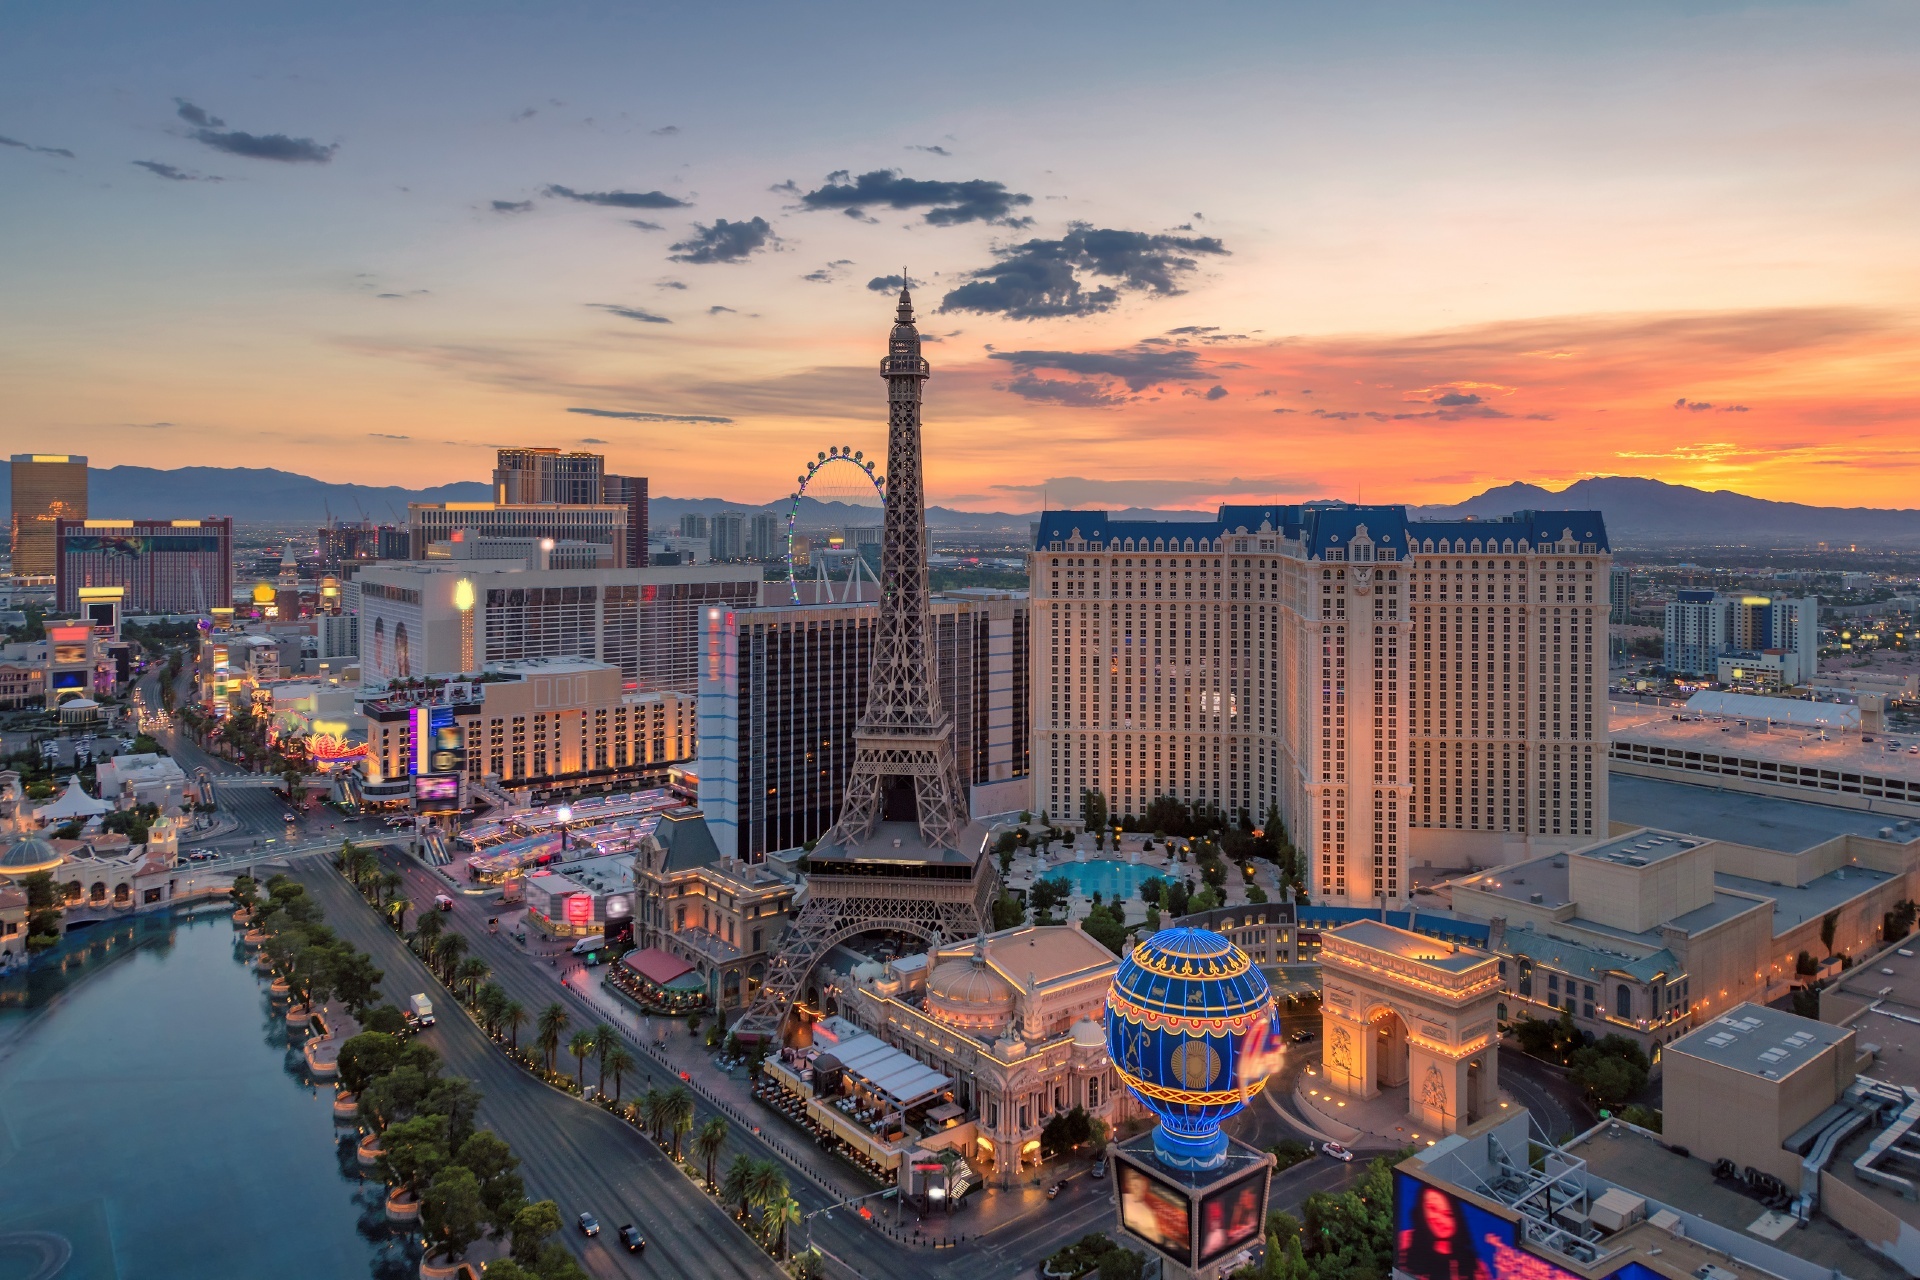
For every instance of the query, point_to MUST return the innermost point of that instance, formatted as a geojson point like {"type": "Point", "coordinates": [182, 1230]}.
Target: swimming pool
{"type": "Point", "coordinates": [1106, 877]}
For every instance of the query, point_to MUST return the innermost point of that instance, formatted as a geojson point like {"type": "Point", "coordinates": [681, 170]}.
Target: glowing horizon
{"type": "Point", "coordinates": [1381, 253]}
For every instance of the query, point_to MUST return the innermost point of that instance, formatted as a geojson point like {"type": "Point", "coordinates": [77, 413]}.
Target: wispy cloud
{"type": "Point", "coordinates": [618, 199]}
{"type": "Point", "coordinates": [62, 152]}
{"type": "Point", "coordinates": [1037, 279]}
{"type": "Point", "coordinates": [946, 203]}
{"type": "Point", "coordinates": [210, 130]}
{"type": "Point", "coordinates": [648, 415]}
{"type": "Point", "coordinates": [172, 174]}
{"type": "Point", "coordinates": [724, 241]}
{"type": "Point", "coordinates": [630, 313]}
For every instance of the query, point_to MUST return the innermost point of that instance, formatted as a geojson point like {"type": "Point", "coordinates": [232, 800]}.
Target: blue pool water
{"type": "Point", "coordinates": [1106, 877]}
{"type": "Point", "coordinates": [152, 1116]}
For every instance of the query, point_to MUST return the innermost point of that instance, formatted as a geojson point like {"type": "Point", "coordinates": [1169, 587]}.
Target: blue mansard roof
{"type": "Point", "coordinates": [1323, 527]}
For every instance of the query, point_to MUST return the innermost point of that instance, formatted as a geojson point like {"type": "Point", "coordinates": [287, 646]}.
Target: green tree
{"type": "Point", "coordinates": [457, 1099]}
{"type": "Point", "coordinates": [453, 1214]}
{"type": "Point", "coordinates": [737, 1187]}
{"type": "Point", "coordinates": [551, 1024]}
{"type": "Point", "coordinates": [1120, 1264]}
{"type": "Point", "coordinates": [679, 1114]}
{"type": "Point", "coordinates": [1176, 899]}
{"type": "Point", "coordinates": [1206, 900]}
{"type": "Point", "coordinates": [513, 1016]}
{"type": "Point", "coordinates": [707, 1144]}
{"type": "Point", "coordinates": [533, 1225]}
{"type": "Point", "coordinates": [1007, 912]}
{"type": "Point", "coordinates": [1102, 926]}
{"type": "Point", "coordinates": [618, 1062]}
{"type": "Point", "coordinates": [414, 1151]}
{"type": "Point", "coordinates": [354, 979]}
{"type": "Point", "coordinates": [580, 1047]}
{"type": "Point", "coordinates": [470, 972]}
{"type": "Point", "coordinates": [494, 1167]}
{"type": "Point", "coordinates": [447, 953]}
{"type": "Point", "coordinates": [366, 1057]}
{"type": "Point", "coordinates": [1151, 890]}
{"type": "Point", "coordinates": [1829, 925]}
{"type": "Point", "coordinates": [605, 1040]}
{"type": "Point", "coordinates": [426, 933]}
{"type": "Point", "coordinates": [1093, 813]}
{"type": "Point", "coordinates": [785, 1212]}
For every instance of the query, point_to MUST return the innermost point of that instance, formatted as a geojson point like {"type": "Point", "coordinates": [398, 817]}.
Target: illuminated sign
{"type": "Point", "coordinates": [580, 908]}
{"type": "Point", "coordinates": [1233, 1216]}
{"type": "Point", "coordinates": [436, 741]}
{"type": "Point", "coordinates": [436, 792]}
{"type": "Point", "coordinates": [1441, 1236]}
{"type": "Point", "coordinates": [1156, 1211]}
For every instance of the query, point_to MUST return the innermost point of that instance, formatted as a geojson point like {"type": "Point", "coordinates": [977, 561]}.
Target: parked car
{"type": "Point", "coordinates": [630, 1236]}
{"type": "Point", "coordinates": [1099, 1169]}
{"type": "Point", "coordinates": [589, 1225]}
{"type": "Point", "coordinates": [1337, 1151]}
{"type": "Point", "coordinates": [1056, 1188]}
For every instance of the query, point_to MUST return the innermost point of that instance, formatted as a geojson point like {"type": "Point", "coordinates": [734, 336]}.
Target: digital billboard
{"type": "Point", "coordinates": [1438, 1236]}
{"type": "Point", "coordinates": [434, 792]}
{"type": "Point", "coordinates": [1233, 1216]}
{"type": "Point", "coordinates": [1157, 1212]}
{"type": "Point", "coordinates": [438, 743]}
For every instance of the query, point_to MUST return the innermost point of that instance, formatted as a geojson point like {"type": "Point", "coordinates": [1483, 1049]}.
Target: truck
{"type": "Point", "coordinates": [597, 942]}
{"type": "Point", "coordinates": [420, 1010]}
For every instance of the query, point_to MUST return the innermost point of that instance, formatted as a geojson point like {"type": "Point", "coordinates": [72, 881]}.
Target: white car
{"type": "Point", "coordinates": [1337, 1151]}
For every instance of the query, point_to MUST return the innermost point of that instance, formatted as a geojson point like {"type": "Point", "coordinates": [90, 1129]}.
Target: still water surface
{"type": "Point", "coordinates": [152, 1116]}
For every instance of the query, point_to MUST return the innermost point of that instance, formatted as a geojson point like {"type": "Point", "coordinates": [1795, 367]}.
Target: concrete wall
{"type": "Point", "coordinates": [1638, 898]}
{"type": "Point", "coordinates": [1872, 1222]}
{"type": "Point", "coordinates": [1755, 787]}
{"type": "Point", "coordinates": [1722, 1112]}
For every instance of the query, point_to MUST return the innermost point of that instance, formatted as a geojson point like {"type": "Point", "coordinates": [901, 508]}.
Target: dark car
{"type": "Point", "coordinates": [589, 1225]}
{"type": "Point", "coordinates": [630, 1236]}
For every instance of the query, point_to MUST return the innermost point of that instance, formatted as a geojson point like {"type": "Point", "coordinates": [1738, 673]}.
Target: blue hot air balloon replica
{"type": "Point", "coordinates": [1192, 1030]}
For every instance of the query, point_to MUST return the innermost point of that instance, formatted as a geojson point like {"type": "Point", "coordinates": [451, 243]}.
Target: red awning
{"type": "Point", "coordinates": [656, 966]}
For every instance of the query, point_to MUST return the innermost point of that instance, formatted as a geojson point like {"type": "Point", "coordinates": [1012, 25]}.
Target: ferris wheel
{"type": "Point", "coordinates": [843, 476]}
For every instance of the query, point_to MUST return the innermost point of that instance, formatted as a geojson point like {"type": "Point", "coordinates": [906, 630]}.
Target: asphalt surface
{"type": "Point", "coordinates": [571, 1152]}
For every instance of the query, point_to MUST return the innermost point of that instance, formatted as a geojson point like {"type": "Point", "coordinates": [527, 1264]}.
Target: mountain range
{"type": "Point", "coordinates": [1638, 511]}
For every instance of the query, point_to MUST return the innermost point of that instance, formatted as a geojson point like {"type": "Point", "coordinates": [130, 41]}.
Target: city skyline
{"type": "Point", "coordinates": [1381, 253]}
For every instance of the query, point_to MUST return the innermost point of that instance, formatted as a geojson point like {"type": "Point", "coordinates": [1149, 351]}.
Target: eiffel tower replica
{"type": "Point", "coordinates": [903, 855]}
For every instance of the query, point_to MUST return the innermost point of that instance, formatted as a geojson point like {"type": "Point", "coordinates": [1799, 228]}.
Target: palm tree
{"type": "Point", "coordinates": [472, 971]}
{"type": "Point", "coordinates": [513, 1016]}
{"type": "Point", "coordinates": [707, 1143]}
{"type": "Point", "coordinates": [781, 1213]}
{"type": "Point", "coordinates": [391, 882]}
{"type": "Point", "coordinates": [553, 1021]}
{"type": "Point", "coordinates": [426, 932]}
{"type": "Point", "coordinates": [679, 1114]}
{"type": "Point", "coordinates": [447, 953]}
{"type": "Point", "coordinates": [604, 1040]}
{"type": "Point", "coordinates": [738, 1186]}
{"type": "Point", "coordinates": [619, 1061]}
{"type": "Point", "coordinates": [580, 1046]}
{"type": "Point", "coordinates": [766, 1184]}
{"type": "Point", "coordinates": [653, 1105]}
{"type": "Point", "coordinates": [491, 1001]}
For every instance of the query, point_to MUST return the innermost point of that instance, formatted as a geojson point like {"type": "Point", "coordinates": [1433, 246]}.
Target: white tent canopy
{"type": "Point", "coordinates": [885, 1069]}
{"type": "Point", "coordinates": [73, 803]}
{"type": "Point", "coordinates": [1788, 711]}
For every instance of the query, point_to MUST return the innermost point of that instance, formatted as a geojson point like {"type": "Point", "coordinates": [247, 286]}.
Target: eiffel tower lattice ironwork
{"type": "Point", "coordinates": [903, 768]}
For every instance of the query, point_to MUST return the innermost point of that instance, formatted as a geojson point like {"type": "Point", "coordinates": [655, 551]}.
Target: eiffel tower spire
{"type": "Point", "coordinates": [903, 767]}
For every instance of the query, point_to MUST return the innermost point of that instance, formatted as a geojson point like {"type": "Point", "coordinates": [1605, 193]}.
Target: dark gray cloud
{"type": "Point", "coordinates": [593, 440]}
{"type": "Point", "coordinates": [386, 435]}
{"type": "Point", "coordinates": [1702, 406]}
{"type": "Point", "coordinates": [196, 116]}
{"type": "Point", "coordinates": [946, 203]}
{"type": "Point", "coordinates": [646, 415]}
{"type": "Point", "coordinates": [787, 188]}
{"type": "Point", "coordinates": [717, 310]}
{"type": "Point", "coordinates": [1137, 369]}
{"type": "Point", "coordinates": [1456, 400]}
{"type": "Point", "coordinates": [630, 313]}
{"type": "Point", "coordinates": [1072, 391]}
{"type": "Point", "coordinates": [62, 152]}
{"type": "Point", "coordinates": [513, 206]}
{"type": "Point", "coordinates": [887, 284]}
{"type": "Point", "coordinates": [618, 199]}
{"type": "Point", "coordinates": [932, 151]}
{"type": "Point", "coordinates": [167, 171]}
{"type": "Point", "coordinates": [829, 273]}
{"type": "Point", "coordinates": [266, 146]}
{"type": "Point", "coordinates": [1041, 278]}
{"type": "Point", "coordinates": [1216, 392]}
{"type": "Point", "coordinates": [645, 225]}
{"type": "Point", "coordinates": [670, 284]}
{"type": "Point", "coordinates": [665, 131]}
{"type": "Point", "coordinates": [723, 241]}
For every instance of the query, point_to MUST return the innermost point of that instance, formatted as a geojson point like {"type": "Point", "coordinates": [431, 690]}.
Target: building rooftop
{"type": "Point", "coordinates": [1746, 736]}
{"type": "Point", "coordinates": [1647, 1168]}
{"type": "Point", "coordinates": [1640, 848]}
{"type": "Point", "coordinates": [1588, 963]}
{"type": "Point", "coordinates": [1764, 822]}
{"type": "Point", "coordinates": [1042, 953]}
{"type": "Point", "coordinates": [1881, 996]}
{"type": "Point", "coordinates": [1796, 904]}
{"type": "Point", "coordinates": [1323, 527]}
{"type": "Point", "coordinates": [1759, 1040]}
{"type": "Point", "coordinates": [1445, 956]}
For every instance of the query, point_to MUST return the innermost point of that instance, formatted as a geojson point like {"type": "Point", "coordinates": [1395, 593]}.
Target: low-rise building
{"type": "Point", "coordinates": [128, 781]}
{"type": "Point", "coordinates": [1015, 1020]}
{"type": "Point", "coordinates": [717, 914]}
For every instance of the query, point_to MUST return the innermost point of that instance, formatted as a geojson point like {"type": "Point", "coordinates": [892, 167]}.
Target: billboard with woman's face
{"type": "Point", "coordinates": [1234, 1216]}
{"type": "Point", "coordinates": [1156, 1212]}
{"type": "Point", "coordinates": [1440, 1237]}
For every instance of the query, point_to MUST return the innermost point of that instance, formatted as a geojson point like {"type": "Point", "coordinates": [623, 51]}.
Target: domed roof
{"type": "Point", "coordinates": [967, 992]}
{"type": "Point", "coordinates": [27, 855]}
{"type": "Point", "coordinates": [1088, 1034]}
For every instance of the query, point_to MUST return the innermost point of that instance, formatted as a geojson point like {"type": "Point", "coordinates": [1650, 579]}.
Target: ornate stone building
{"type": "Point", "coordinates": [1015, 1018]}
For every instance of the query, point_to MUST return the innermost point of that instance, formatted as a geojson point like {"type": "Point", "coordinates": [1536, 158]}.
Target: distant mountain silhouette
{"type": "Point", "coordinates": [1637, 510]}
{"type": "Point", "coordinates": [1640, 511]}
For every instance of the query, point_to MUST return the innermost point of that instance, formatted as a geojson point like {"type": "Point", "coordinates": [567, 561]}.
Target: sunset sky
{"type": "Point", "coordinates": [1170, 254]}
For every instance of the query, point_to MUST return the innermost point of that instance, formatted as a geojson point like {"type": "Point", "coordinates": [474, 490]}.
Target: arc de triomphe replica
{"type": "Point", "coordinates": [1401, 1008]}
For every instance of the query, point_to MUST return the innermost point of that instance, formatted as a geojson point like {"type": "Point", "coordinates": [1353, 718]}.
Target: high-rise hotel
{"type": "Point", "coordinates": [1402, 691]}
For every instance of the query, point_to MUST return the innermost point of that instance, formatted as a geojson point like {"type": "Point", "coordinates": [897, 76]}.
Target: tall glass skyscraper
{"type": "Point", "coordinates": [47, 487]}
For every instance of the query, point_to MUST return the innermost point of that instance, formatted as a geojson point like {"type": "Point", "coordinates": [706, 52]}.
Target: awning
{"type": "Point", "coordinates": [658, 967]}
{"type": "Point", "coordinates": [74, 802]}
{"type": "Point", "coordinates": [886, 1070]}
